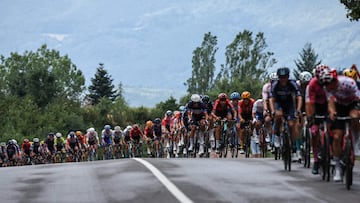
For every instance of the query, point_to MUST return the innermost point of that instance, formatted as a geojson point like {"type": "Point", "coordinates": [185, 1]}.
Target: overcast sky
{"type": "Point", "coordinates": [147, 45]}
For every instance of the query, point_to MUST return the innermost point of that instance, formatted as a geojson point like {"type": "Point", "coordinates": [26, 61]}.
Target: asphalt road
{"type": "Point", "coordinates": [171, 180]}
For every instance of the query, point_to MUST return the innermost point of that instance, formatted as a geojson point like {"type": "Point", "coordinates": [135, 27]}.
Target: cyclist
{"type": "Point", "coordinates": [283, 104]}
{"type": "Point", "coordinates": [92, 139]}
{"type": "Point", "coordinates": [149, 135]}
{"type": "Point", "coordinates": [83, 144]}
{"type": "Point", "coordinates": [127, 140]}
{"type": "Point", "coordinates": [59, 144]}
{"type": "Point", "coordinates": [50, 143]}
{"type": "Point", "coordinates": [304, 79]}
{"type": "Point", "coordinates": [136, 136]}
{"type": "Point", "coordinates": [158, 135]}
{"type": "Point", "coordinates": [197, 113]}
{"type": "Point", "coordinates": [245, 116]}
{"type": "Point", "coordinates": [72, 143]}
{"type": "Point", "coordinates": [316, 104]}
{"type": "Point", "coordinates": [352, 72]}
{"type": "Point", "coordinates": [35, 148]}
{"type": "Point", "coordinates": [3, 154]}
{"type": "Point", "coordinates": [107, 136]}
{"type": "Point", "coordinates": [258, 120]}
{"type": "Point", "coordinates": [13, 151]}
{"type": "Point", "coordinates": [25, 146]}
{"type": "Point", "coordinates": [342, 95]}
{"type": "Point", "coordinates": [235, 97]}
{"type": "Point", "coordinates": [181, 129]}
{"type": "Point", "coordinates": [267, 114]}
{"type": "Point", "coordinates": [223, 109]}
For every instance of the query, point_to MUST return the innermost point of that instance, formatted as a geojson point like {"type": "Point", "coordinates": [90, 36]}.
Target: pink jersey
{"type": "Point", "coordinates": [266, 91]}
{"type": "Point", "coordinates": [315, 93]}
{"type": "Point", "coordinates": [346, 92]}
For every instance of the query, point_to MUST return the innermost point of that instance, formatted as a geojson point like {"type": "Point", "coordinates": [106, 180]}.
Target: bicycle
{"type": "Point", "coordinates": [286, 145]}
{"type": "Point", "coordinates": [247, 139]}
{"type": "Point", "coordinates": [348, 155]}
{"type": "Point", "coordinates": [306, 146]}
{"type": "Point", "coordinates": [234, 149]}
{"type": "Point", "coordinates": [325, 148]}
{"type": "Point", "coordinates": [107, 152]}
{"type": "Point", "coordinates": [224, 142]}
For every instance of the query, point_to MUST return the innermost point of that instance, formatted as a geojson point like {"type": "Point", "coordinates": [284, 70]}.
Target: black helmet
{"type": "Point", "coordinates": [157, 121]}
{"type": "Point", "coordinates": [284, 71]}
{"type": "Point", "coordinates": [205, 99]}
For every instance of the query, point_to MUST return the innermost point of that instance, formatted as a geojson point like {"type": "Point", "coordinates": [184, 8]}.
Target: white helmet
{"type": "Point", "coordinates": [15, 142]}
{"type": "Point", "coordinates": [58, 135]}
{"type": "Point", "coordinates": [128, 127]}
{"type": "Point", "coordinates": [305, 76]}
{"type": "Point", "coordinates": [117, 129]}
{"type": "Point", "coordinates": [195, 98]}
{"type": "Point", "coordinates": [273, 76]}
{"type": "Point", "coordinates": [91, 130]}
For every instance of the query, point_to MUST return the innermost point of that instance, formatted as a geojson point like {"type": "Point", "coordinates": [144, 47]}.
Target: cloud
{"type": "Point", "coordinates": [58, 37]}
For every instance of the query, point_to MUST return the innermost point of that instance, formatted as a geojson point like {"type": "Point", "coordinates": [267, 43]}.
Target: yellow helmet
{"type": "Point", "coordinates": [350, 73]}
{"type": "Point", "coordinates": [78, 133]}
{"type": "Point", "coordinates": [245, 95]}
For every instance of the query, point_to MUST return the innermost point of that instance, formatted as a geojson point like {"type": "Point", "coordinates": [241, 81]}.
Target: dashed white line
{"type": "Point", "coordinates": [166, 182]}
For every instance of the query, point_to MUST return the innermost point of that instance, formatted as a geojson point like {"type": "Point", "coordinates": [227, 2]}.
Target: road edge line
{"type": "Point", "coordinates": [179, 195]}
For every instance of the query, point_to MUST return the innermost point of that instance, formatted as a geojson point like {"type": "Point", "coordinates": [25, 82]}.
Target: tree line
{"type": "Point", "coordinates": [43, 91]}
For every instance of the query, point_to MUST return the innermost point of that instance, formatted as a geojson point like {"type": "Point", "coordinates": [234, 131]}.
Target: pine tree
{"type": "Point", "coordinates": [307, 62]}
{"type": "Point", "coordinates": [102, 86]}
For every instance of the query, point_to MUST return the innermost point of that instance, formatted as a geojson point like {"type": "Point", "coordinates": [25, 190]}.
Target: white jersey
{"type": "Point", "coordinates": [258, 106]}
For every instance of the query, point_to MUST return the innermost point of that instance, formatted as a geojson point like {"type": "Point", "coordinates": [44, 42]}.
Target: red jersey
{"type": "Point", "coordinates": [219, 107]}
{"type": "Point", "coordinates": [244, 108]}
{"type": "Point", "coordinates": [149, 132]}
{"type": "Point", "coordinates": [136, 134]}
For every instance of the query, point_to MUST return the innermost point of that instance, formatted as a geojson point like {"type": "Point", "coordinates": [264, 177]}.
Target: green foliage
{"type": "Point", "coordinates": [42, 75]}
{"type": "Point", "coordinates": [203, 64]}
{"type": "Point", "coordinates": [246, 65]}
{"type": "Point", "coordinates": [307, 62]}
{"type": "Point", "coordinates": [101, 86]}
{"type": "Point", "coordinates": [353, 9]}
{"type": "Point", "coordinates": [161, 108]}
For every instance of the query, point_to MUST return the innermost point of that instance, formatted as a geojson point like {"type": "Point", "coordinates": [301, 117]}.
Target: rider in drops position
{"type": "Point", "coordinates": [282, 103]}
{"type": "Point", "coordinates": [223, 109]}
{"type": "Point", "coordinates": [198, 115]}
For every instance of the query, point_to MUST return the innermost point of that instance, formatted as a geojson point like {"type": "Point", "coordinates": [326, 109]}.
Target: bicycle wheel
{"type": "Point", "coordinates": [348, 164]}
{"type": "Point", "coordinates": [326, 157]}
{"type": "Point", "coordinates": [307, 148]}
{"type": "Point", "coordinates": [247, 143]}
{"type": "Point", "coordinates": [287, 152]}
{"type": "Point", "coordinates": [226, 146]}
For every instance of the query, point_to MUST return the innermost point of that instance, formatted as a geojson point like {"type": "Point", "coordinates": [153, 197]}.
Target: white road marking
{"type": "Point", "coordinates": [165, 181]}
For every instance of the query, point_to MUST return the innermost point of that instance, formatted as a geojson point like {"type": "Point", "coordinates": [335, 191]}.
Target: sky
{"type": "Point", "coordinates": [147, 45]}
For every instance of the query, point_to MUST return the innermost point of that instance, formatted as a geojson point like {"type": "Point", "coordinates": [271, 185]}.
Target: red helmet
{"type": "Point", "coordinates": [222, 96]}
{"type": "Point", "coordinates": [327, 76]}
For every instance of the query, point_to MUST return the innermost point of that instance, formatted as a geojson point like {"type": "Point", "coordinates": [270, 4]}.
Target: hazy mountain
{"type": "Point", "coordinates": [147, 45]}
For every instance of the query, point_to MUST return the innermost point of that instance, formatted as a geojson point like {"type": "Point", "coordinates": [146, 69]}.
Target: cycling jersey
{"type": "Point", "coordinates": [107, 136]}
{"type": "Point", "coordinates": [35, 148]}
{"type": "Point", "coordinates": [117, 137]}
{"type": "Point", "coordinates": [73, 142]}
{"type": "Point", "coordinates": [209, 107]}
{"type": "Point", "coordinates": [149, 132]}
{"type": "Point", "coordinates": [346, 92]}
{"type": "Point", "coordinates": [50, 144]}
{"type": "Point", "coordinates": [258, 109]}
{"type": "Point", "coordinates": [222, 109]}
{"type": "Point", "coordinates": [168, 122]}
{"type": "Point", "coordinates": [26, 148]}
{"type": "Point", "coordinates": [59, 143]}
{"type": "Point", "coordinates": [127, 135]}
{"type": "Point", "coordinates": [157, 130]}
{"type": "Point", "coordinates": [136, 134]}
{"type": "Point", "coordinates": [266, 91]}
{"type": "Point", "coordinates": [92, 138]}
{"type": "Point", "coordinates": [284, 94]}
{"type": "Point", "coordinates": [197, 110]}
{"type": "Point", "coordinates": [245, 108]}
{"type": "Point", "coordinates": [315, 94]}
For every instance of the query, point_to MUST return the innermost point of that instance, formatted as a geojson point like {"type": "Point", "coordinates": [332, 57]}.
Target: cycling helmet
{"type": "Point", "coordinates": [14, 141]}
{"type": "Point", "coordinates": [319, 69]}
{"type": "Point", "coordinates": [327, 76]}
{"type": "Point", "coordinates": [182, 108]}
{"type": "Point", "coordinates": [305, 76]}
{"type": "Point", "coordinates": [107, 127]}
{"type": "Point", "coordinates": [36, 140]}
{"type": "Point", "coordinates": [58, 135]}
{"type": "Point", "coordinates": [117, 129]}
{"type": "Point", "coordinates": [3, 144]}
{"type": "Point", "coordinates": [205, 99]}
{"type": "Point", "coordinates": [78, 133]}
{"type": "Point", "coordinates": [26, 140]}
{"type": "Point", "coordinates": [72, 134]}
{"type": "Point", "coordinates": [157, 121]}
{"type": "Point", "coordinates": [149, 124]}
{"type": "Point", "coordinates": [168, 113]}
{"type": "Point", "coordinates": [273, 76]}
{"type": "Point", "coordinates": [135, 127]}
{"type": "Point", "coordinates": [195, 98]}
{"type": "Point", "coordinates": [128, 127]}
{"type": "Point", "coordinates": [51, 134]}
{"type": "Point", "coordinates": [283, 72]}
{"type": "Point", "coordinates": [350, 73]}
{"type": "Point", "coordinates": [222, 96]}
{"type": "Point", "coordinates": [235, 95]}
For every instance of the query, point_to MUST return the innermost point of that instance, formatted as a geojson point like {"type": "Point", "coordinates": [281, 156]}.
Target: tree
{"type": "Point", "coordinates": [42, 75]}
{"type": "Point", "coordinates": [203, 66]}
{"type": "Point", "coordinates": [101, 86]}
{"type": "Point", "coordinates": [246, 63]}
{"type": "Point", "coordinates": [353, 9]}
{"type": "Point", "coordinates": [307, 62]}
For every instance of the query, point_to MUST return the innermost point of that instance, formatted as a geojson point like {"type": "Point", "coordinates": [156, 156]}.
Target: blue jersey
{"type": "Point", "coordinates": [284, 94]}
